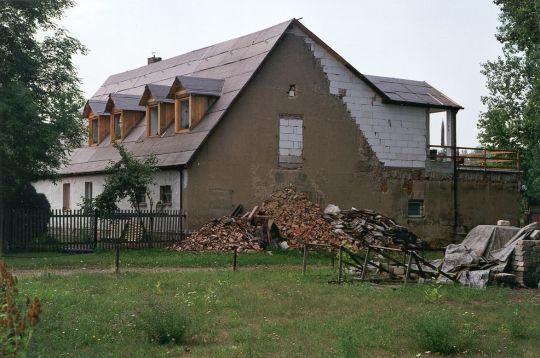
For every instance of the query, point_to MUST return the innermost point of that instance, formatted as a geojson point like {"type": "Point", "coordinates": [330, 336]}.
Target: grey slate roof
{"type": "Point", "coordinates": [421, 93]}
{"type": "Point", "coordinates": [96, 106]}
{"type": "Point", "coordinates": [227, 67]}
{"type": "Point", "coordinates": [128, 102]}
{"type": "Point", "coordinates": [160, 92]}
{"type": "Point", "coordinates": [197, 85]}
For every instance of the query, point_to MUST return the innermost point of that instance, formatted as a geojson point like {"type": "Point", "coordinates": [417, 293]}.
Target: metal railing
{"type": "Point", "coordinates": [476, 158]}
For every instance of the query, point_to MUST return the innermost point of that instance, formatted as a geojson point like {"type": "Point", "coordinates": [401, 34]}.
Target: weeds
{"type": "Point", "coordinates": [438, 331]}
{"type": "Point", "coordinates": [163, 324]}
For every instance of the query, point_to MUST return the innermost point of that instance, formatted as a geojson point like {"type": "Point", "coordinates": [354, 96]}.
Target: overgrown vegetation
{"type": "Point", "coordinates": [16, 326]}
{"type": "Point", "coordinates": [164, 324]}
{"type": "Point", "coordinates": [512, 118]}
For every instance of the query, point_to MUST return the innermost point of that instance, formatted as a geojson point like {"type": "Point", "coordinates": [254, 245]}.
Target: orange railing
{"type": "Point", "coordinates": [476, 158]}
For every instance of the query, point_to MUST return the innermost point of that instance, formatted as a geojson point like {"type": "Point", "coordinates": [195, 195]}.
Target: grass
{"type": "Point", "coordinates": [271, 311]}
{"type": "Point", "coordinates": [153, 258]}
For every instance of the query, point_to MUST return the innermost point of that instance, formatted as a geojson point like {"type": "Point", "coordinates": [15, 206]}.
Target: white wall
{"type": "Point", "coordinates": [54, 191]}
{"type": "Point", "coordinates": [397, 134]}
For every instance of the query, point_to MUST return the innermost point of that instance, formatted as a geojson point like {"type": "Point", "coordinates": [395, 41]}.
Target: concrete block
{"type": "Point", "coordinates": [286, 144]}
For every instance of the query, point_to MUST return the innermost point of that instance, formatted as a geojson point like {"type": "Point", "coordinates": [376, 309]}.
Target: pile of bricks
{"type": "Point", "coordinates": [526, 262]}
{"type": "Point", "coordinates": [299, 220]}
{"type": "Point", "coordinates": [224, 234]}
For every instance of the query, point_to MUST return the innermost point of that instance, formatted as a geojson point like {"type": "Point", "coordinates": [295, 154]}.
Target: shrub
{"type": "Point", "coordinates": [514, 323]}
{"type": "Point", "coordinates": [163, 324]}
{"type": "Point", "coordinates": [15, 327]}
{"type": "Point", "coordinates": [439, 332]}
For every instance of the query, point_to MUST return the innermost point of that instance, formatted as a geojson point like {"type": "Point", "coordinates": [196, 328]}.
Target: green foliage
{"type": "Point", "coordinates": [127, 178]}
{"type": "Point", "coordinates": [164, 324]}
{"type": "Point", "coordinates": [439, 332]}
{"type": "Point", "coordinates": [512, 118]}
{"type": "Point", "coordinates": [40, 97]}
{"type": "Point", "coordinates": [433, 294]}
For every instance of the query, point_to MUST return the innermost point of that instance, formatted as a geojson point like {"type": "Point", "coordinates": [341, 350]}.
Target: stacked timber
{"type": "Point", "coordinates": [370, 227]}
{"type": "Point", "coordinates": [224, 234]}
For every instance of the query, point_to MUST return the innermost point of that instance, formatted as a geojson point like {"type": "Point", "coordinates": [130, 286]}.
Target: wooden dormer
{"type": "Point", "coordinates": [125, 113]}
{"type": "Point", "coordinates": [192, 97]}
{"type": "Point", "coordinates": [159, 109]}
{"type": "Point", "coordinates": [98, 121]}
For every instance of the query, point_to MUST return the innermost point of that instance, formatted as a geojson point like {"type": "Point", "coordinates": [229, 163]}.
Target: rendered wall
{"type": "Point", "coordinates": [53, 191]}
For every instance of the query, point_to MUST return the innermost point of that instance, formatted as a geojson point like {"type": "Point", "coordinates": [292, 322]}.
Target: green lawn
{"type": "Point", "coordinates": [149, 258]}
{"type": "Point", "coordinates": [274, 311]}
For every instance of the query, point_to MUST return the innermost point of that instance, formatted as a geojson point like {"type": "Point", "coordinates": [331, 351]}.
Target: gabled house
{"type": "Point", "coordinates": [232, 122]}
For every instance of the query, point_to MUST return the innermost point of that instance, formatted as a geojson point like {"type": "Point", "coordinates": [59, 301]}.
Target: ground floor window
{"type": "Point", "coordinates": [415, 208]}
{"type": "Point", "coordinates": [165, 194]}
{"type": "Point", "coordinates": [88, 190]}
{"type": "Point", "coordinates": [66, 192]}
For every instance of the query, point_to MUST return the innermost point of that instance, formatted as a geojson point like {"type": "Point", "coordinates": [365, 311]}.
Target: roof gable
{"type": "Point", "coordinates": [94, 106]}
{"type": "Point", "coordinates": [159, 92]}
{"type": "Point", "coordinates": [197, 85]}
{"type": "Point", "coordinates": [123, 101]}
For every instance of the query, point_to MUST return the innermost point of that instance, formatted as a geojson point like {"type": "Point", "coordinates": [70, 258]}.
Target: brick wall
{"type": "Point", "coordinates": [290, 141]}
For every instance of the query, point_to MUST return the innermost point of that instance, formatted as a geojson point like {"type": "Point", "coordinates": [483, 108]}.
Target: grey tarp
{"type": "Point", "coordinates": [486, 249]}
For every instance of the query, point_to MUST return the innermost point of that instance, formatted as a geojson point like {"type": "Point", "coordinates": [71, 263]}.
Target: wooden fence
{"type": "Point", "coordinates": [80, 230]}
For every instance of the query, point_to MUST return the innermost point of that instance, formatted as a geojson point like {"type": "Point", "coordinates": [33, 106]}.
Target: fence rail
{"type": "Point", "coordinates": [476, 158]}
{"type": "Point", "coordinates": [59, 230]}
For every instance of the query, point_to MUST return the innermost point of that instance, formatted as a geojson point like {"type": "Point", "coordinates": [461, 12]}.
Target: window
{"type": "Point", "coordinates": [165, 194]}
{"type": "Point", "coordinates": [66, 196]}
{"type": "Point", "coordinates": [415, 208]}
{"type": "Point", "coordinates": [291, 141]}
{"type": "Point", "coordinates": [94, 131]}
{"type": "Point", "coordinates": [117, 126]}
{"type": "Point", "coordinates": [154, 121]}
{"type": "Point", "coordinates": [141, 198]}
{"type": "Point", "coordinates": [184, 114]}
{"type": "Point", "coordinates": [88, 190]}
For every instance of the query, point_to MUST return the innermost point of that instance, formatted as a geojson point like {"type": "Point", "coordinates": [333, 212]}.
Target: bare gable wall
{"type": "Point", "coordinates": [239, 163]}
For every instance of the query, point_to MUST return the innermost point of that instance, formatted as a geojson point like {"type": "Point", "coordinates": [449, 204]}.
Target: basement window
{"type": "Point", "coordinates": [165, 194]}
{"type": "Point", "coordinates": [117, 126]}
{"type": "Point", "coordinates": [415, 208]}
{"type": "Point", "coordinates": [291, 141]}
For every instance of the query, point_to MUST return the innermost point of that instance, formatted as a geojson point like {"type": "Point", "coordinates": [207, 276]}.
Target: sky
{"type": "Point", "coordinates": [442, 42]}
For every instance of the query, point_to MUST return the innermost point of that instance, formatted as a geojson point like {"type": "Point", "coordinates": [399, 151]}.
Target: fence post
{"type": "Point", "coordinates": [96, 216]}
{"type": "Point", "coordinates": [340, 265]}
{"type": "Point", "coordinates": [304, 260]}
{"type": "Point", "coordinates": [117, 258]}
{"type": "Point", "coordinates": [364, 268]}
{"type": "Point", "coordinates": [235, 258]}
{"type": "Point", "coordinates": [409, 261]}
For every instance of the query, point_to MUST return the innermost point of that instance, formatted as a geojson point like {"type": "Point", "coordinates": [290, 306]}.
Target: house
{"type": "Point", "coordinates": [232, 122]}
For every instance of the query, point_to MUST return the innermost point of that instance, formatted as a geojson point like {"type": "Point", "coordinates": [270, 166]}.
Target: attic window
{"type": "Point", "coordinates": [117, 126]}
{"type": "Point", "coordinates": [184, 113]}
{"type": "Point", "coordinates": [154, 121]}
{"type": "Point", "coordinates": [292, 91]}
{"type": "Point", "coordinates": [94, 131]}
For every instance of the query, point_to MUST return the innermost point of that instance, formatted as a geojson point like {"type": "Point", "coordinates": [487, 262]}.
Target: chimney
{"type": "Point", "coordinates": [153, 59]}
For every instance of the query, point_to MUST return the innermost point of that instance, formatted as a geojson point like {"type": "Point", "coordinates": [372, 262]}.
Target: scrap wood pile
{"type": "Point", "coordinates": [299, 220]}
{"type": "Point", "coordinates": [370, 227]}
{"type": "Point", "coordinates": [224, 234]}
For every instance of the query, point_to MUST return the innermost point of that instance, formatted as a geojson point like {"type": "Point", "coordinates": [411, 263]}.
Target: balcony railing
{"type": "Point", "coordinates": [476, 158]}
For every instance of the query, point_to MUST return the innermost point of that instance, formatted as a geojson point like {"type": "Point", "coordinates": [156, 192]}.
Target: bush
{"type": "Point", "coordinates": [439, 332]}
{"type": "Point", "coordinates": [163, 324]}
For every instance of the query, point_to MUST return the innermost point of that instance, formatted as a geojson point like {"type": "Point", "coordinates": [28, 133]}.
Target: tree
{"type": "Point", "coordinates": [40, 99]}
{"type": "Point", "coordinates": [512, 118]}
{"type": "Point", "coordinates": [129, 178]}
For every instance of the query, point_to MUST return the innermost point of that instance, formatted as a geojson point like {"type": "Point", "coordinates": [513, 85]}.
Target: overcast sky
{"type": "Point", "coordinates": [442, 42]}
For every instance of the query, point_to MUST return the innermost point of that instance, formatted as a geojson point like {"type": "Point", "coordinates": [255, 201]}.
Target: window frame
{"type": "Point", "coordinates": [88, 185]}
{"type": "Point", "coordinates": [94, 132]}
{"type": "Point", "coordinates": [421, 208]}
{"type": "Point", "coordinates": [149, 109]}
{"type": "Point", "coordinates": [66, 196]}
{"type": "Point", "coordinates": [121, 120]}
{"type": "Point", "coordinates": [162, 194]}
{"type": "Point", "coordinates": [182, 97]}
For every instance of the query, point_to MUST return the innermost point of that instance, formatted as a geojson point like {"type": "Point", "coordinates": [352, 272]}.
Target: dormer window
{"type": "Point", "coordinates": [183, 114]}
{"type": "Point", "coordinates": [98, 121]}
{"type": "Point", "coordinates": [117, 126]}
{"type": "Point", "coordinates": [94, 131]}
{"type": "Point", "coordinates": [153, 114]}
{"type": "Point", "coordinates": [193, 96]}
